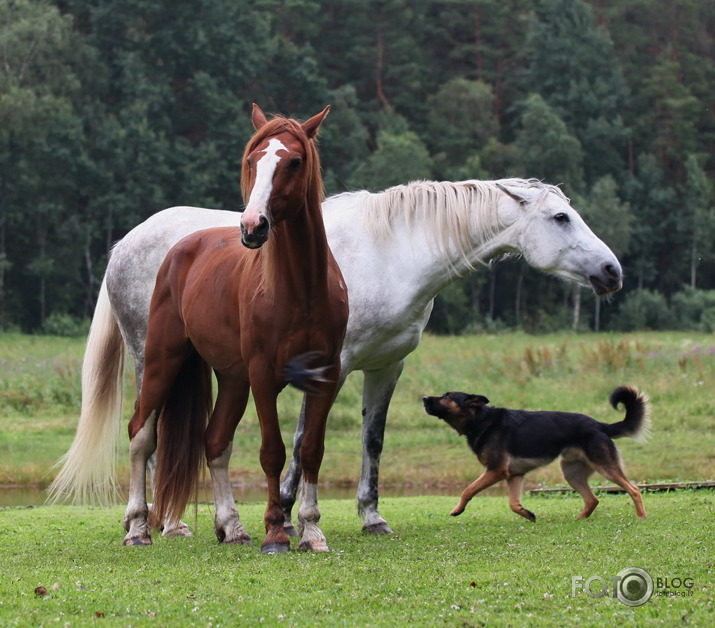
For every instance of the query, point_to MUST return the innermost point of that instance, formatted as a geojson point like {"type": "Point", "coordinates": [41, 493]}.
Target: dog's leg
{"type": "Point", "coordinates": [576, 473]}
{"type": "Point", "coordinates": [516, 484]}
{"type": "Point", "coordinates": [485, 480]}
{"type": "Point", "coordinates": [615, 474]}
{"type": "Point", "coordinates": [603, 456]}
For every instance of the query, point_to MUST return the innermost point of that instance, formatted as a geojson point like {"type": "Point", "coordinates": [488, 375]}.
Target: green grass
{"type": "Point", "coordinates": [487, 567]}
{"type": "Point", "coordinates": [40, 397]}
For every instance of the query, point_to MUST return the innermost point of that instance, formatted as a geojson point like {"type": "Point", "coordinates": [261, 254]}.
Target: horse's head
{"type": "Point", "coordinates": [555, 239]}
{"type": "Point", "coordinates": [280, 173]}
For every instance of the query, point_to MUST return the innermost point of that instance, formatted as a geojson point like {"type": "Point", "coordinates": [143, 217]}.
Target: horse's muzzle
{"type": "Point", "coordinates": [610, 280]}
{"type": "Point", "coordinates": [257, 236]}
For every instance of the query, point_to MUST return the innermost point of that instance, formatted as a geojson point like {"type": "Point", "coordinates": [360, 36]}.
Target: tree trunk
{"type": "Point", "coordinates": [517, 300]}
{"type": "Point", "coordinates": [576, 307]}
{"type": "Point", "coordinates": [597, 315]}
{"type": "Point", "coordinates": [492, 291]}
{"type": "Point", "coordinates": [3, 265]}
{"type": "Point", "coordinates": [89, 286]}
{"type": "Point", "coordinates": [378, 68]}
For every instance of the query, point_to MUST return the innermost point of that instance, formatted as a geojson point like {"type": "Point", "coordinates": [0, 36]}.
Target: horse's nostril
{"type": "Point", "coordinates": [612, 271]}
{"type": "Point", "coordinates": [262, 227]}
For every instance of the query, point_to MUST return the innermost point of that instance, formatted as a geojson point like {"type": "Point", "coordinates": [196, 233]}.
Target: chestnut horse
{"type": "Point", "coordinates": [256, 306]}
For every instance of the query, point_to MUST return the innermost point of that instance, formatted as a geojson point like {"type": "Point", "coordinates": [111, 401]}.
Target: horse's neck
{"type": "Point", "coordinates": [433, 264]}
{"type": "Point", "coordinates": [300, 256]}
{"type": "Point", "coordinates": [409, 266]}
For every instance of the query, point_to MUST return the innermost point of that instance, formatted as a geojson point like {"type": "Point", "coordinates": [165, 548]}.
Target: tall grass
{"type": "Point", "coordinates": [40, 398]}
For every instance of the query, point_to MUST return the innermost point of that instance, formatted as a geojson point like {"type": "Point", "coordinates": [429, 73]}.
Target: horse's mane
{"type": "Point", "coordinates": [315, 191]}
{"type": "Point", "coordinates": [455, 213]}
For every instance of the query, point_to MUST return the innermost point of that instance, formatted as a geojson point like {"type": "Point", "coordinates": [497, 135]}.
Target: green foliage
{"type": "Point", "coordinates": [608, 216]}
{"type": "Point", "coordinates": [111, 111]}
{"type": "Point", "coordinates": [400, 157]}
{"type": "Point", "coordinates": [546, 148]}
{"type": "Point", "coordinates": [64, 325]}
{"type": "Point", "coordinates": [644, 309]}
{"type": "Point", "coordinates": [461, 121]}
{"type": "Point", "coordinates": [694, 309]}
{"type": "Point", "coordinates": [572, 64]}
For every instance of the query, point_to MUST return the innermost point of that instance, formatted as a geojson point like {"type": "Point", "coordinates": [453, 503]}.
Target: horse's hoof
{"type": "Point", "coordinates": [290, 530]}
{"type": "Point", "coordinates": [137, 540]}
{"type": "Point", "coordinates": [377, 528]}
{"type": "Point", "coordinates": [275, 548]}
{"type": "Point", "coordinates": [180, 530]}
{"type": "Point", "coordinates": [237, 540]}
{"type": "Point", "coordinates": [314, 546]}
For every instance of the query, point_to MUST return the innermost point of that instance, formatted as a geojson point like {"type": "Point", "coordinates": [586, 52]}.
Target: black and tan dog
{"type": "Point", "coordinates": [510, 443]}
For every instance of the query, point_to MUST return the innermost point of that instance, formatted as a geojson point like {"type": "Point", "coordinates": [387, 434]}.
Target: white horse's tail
{"type": "Point", "coordinates": [88, 473]}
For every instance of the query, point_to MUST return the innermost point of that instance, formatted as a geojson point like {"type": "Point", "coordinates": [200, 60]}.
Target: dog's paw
{"type": "Point", "coordinates": [457, 511]}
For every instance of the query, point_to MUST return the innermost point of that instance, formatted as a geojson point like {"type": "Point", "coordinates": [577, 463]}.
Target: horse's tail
{"type": "Point", "coordinates": [636, 423]}
{"type": "Point", "coordinates": [88, 473]}
{"type": "Point", "coordinates": [180, 441]}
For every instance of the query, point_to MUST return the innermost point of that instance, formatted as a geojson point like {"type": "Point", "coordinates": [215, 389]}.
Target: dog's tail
{"type": "Point", "coordinates": [636, 424]}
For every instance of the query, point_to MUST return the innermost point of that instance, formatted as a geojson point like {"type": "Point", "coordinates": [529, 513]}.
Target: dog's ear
{"type": "Point", "coordinates": [474, 402]}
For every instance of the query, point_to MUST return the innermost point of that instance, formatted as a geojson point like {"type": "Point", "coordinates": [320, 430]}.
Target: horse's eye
{"type": "Point", "coordinates": [295, 163]}
{"type": "Point", "coordinates": [562, 218]}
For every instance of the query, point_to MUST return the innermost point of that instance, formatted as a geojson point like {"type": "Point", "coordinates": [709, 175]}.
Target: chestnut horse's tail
{"type": "Point", "coordinates": [88, 473]}
{"type": "Point", "coordinates": [180, 441]}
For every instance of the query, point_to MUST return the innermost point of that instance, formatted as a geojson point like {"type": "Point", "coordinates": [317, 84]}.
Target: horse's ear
{"type": "Point", "coordinates": [519, 198]}
{"type": "Point", "coordinates": [311, 126]}
{"type": "Point", "coordinates": [258, 117]}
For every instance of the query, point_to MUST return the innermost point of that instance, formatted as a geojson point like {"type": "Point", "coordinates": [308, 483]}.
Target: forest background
{"type": "Point", "coordinates": [111, 110]}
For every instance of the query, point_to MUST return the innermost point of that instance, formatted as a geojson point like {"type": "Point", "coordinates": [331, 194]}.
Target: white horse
{"type": "Point", "coordinates": [397, 249]}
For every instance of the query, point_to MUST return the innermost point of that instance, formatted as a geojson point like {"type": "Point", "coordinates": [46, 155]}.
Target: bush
{"type": "Point", "coordinates": [694, 310]}
{"type": "Point", "coordinates": [644, 309]}
{"type": "Point", "coordinates": [61, 324]}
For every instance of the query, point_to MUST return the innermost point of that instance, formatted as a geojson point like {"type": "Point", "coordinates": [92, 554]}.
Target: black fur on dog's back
{"type": "Point", "coordinates": [545, 434]}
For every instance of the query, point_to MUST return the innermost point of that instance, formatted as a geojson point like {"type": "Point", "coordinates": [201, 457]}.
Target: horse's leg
{"type": "Point", "coordinates": [142, 445]}
{"type": "Point", "coordinates": [230, 406]}
{"type": "Point", "coordinates": [377, 393]}
{"type": "Point", "coordinates": [312, 448]}
{"type": "Point", "coordinates": [272, 456]}
{"type": "Point", "coordinates": [291, 478]}
{"type": "Point", "coordinates": [165, 357]}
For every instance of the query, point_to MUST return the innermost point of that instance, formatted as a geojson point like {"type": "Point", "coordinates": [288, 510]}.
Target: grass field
{"type": "Point", "coordinates": [487, 567]}
{"type": "Point", "coordinates": [40, 396]}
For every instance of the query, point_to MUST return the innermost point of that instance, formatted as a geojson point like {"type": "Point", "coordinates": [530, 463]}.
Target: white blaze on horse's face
{"type": "Point", "coordinates": [555, 239]}
{"type": "Point", "coordinates": [256, 219]}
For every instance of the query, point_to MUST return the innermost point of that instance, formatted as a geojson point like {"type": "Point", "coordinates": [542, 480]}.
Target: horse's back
{"type": "Point", "coordinates": [136, 258]}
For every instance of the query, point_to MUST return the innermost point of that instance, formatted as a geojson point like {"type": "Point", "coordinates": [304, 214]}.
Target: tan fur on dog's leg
{"type": "Point", "coordinates": [485, 480]}
{"type": "Point", "coordinates": [617, 476]}
{"type": "Point", "coordinates": [576, 473]}
{"type": "Point", "coordinates": [516, 484]}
